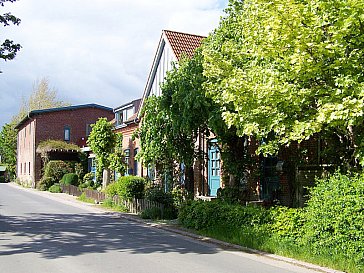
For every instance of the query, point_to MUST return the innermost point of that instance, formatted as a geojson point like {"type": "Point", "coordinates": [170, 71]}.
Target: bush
{"type": "Point", "coordinates": [110, 204]}
{"type": "Point", "coordinates": [56, 188]}
{"type": "Point", "coordinates": [88, 181]}
{"type": "Point", "coordinates": [152, 213]}
{"type": "Point", "coordinates": [2, 179]}
{"type": "Point", "coordinates": [155, 193]}
{"type": "Point", "coordinates": [45, 183]}
{"type": "Point", "coordinates": [70, 179]}
{"type": "Point", "coordinates": [335, 217]}
{"type": "Point", "coordinates": [202, 215]}
{"type": "Point", "coordinates": [56, 169]}
{"type": "Point", "coordinates": [287, 223]}
{"type": "Point", "coordinates": [127, 187]}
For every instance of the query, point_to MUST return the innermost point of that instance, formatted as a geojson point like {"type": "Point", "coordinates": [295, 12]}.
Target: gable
{"type": "Point", "coordinates": [171, 48]}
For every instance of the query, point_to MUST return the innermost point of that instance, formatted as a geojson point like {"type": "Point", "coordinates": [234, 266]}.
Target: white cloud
{"type": "Point", "coordinates": [96, 51]}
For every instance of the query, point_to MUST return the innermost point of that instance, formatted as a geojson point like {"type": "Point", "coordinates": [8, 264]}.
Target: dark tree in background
{"type": "Point", "coordinates": [8, 48]}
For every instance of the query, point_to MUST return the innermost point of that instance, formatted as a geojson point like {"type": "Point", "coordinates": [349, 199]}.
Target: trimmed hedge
{"type": "Point", "coordinates": [127, 187]}
{"type": "Point", "coordinates": [70, 179]}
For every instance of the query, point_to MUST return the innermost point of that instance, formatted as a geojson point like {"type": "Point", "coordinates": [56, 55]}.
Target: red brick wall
{"type": "Point", "coordinates": [51, 125]}
{"type": "Point", "coordinates": [129, 143]}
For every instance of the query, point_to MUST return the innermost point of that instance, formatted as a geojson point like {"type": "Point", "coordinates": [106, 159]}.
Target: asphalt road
{"type": "Point", "coordinates": [38, 234]}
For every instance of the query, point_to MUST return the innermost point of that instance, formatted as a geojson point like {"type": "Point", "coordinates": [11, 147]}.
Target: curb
{"type": "Point", "coordinates": [71, 200]}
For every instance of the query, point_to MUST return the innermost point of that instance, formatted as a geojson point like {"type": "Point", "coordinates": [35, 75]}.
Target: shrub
{"type": "Point", "coordinates": [156, 193]}
{"type": "Point", "coordinates": [70, 179]}
{"type": "Point", "coordinates": [202, 215]}
{"type": "Point", "coordinates": [2, 179]}
{"type": "Point", "coordinates": [127, 187]}
{"type": "Point", "coordinates": [151, 213]}
{"type": "Point", "coordinates": [56, 188]}
{"type": "Point", "coordinates": [56, 169]}
{"type": "Point", "coordinates": [232, 195]}
{"type": "Point", "coordinates": [287, 223]}
{"type": "Point", "coordinates": [335, 217]}
{"type": "Point", "coordinates": [85, 199]}
{"type": "Point", "coordinates": [45, 183]}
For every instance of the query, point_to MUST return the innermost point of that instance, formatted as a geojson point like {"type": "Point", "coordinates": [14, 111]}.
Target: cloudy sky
{"type": "Point", "coordinates": [93, 51]}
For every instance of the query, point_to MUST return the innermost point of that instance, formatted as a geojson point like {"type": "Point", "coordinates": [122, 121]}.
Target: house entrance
{"type": "Point", "coordinates": [213, 168]}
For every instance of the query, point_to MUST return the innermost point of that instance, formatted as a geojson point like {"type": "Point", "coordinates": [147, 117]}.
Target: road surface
{"type": "Point", "coordinates": [39, 234]}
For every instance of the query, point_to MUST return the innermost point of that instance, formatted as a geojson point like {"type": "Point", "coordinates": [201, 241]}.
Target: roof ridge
{"type": "Point", "coordinates": [186, 33]}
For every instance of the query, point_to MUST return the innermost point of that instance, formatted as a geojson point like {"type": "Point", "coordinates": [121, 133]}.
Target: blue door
{"type": "Point", "coordinates": [213, 168]}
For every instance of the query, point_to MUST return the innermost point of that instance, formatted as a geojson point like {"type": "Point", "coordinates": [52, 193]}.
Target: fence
{"type": "Point", "coordinates": [133, 205]}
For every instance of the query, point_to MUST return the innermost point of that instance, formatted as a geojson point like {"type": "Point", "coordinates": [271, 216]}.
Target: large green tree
{"type": "Point", "coordinates": [8, 48]}
{"type": "Point", "coordinates": [107, 146]}
{"type": "Point", "coordinates": [8, 138]}
{"type": "Point", "coordinates": [173, 123]}
{"type": "Point", "coordinates": [283, 71]}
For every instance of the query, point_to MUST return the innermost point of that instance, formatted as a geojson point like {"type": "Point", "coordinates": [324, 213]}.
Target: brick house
{"type": "Point", "coordinates": [70, 124]}
{"type": "Point", "coordinates": [283, 177]}
{"type": "Point", "coordinates": [126, 122]}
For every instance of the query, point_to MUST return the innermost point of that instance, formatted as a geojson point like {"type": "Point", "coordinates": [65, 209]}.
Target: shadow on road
{"type": "Point", "coordinates": [61, 235]}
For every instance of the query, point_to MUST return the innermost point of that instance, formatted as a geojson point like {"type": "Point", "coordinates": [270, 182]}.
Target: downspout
{"type": "Point", "coordinates": [34, 155]}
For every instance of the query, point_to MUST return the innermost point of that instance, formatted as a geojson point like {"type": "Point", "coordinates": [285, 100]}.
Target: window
{"type": "Point", "coordinates": [29, 168]}
{"type": "Point", "coordinates": [124, 115]}
{"type": "Point", "coordinates": [135, 162]}
{"type": "Point", "coordinates": [88, 129]}
{"type": "Point", "coordinates": [127, 156]}
{"type": "Point", "coordinates": [67, 134]}
{"type": "Point", "coordinates": [151, 172]}
{"type": "Point", "coordinates": [21, 168]}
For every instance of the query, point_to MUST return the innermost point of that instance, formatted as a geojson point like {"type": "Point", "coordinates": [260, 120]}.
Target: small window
{"type": "Point", "coordinates": [127, 156]}
{"type": "Point", "coordinates": [29, 168]}
{"type": "Point", "coordinates": [67, 134]}
{"type": "Point", "coordinates": [135, 162]}
{"type": "Point", "coordinates": [88, 129]}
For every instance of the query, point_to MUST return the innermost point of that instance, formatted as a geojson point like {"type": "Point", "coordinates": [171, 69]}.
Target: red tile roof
{"type": "Point", "coordinates": [183, 43]}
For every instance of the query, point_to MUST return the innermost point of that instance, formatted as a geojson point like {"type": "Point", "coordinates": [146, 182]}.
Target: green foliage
{"type": "Point", "coordinates": [56, 188]}
{"type": "Point", "coordinates": [85, 199]}
{"type": "Point", "coordinates": [172, 122]}
{"type": "Point", "coordinates": [232, 195]}
{"type": "Point", "coordinates": [117, 159]}
{"type": "Point", "coordinates": [110, 204]}
{"type": "Point", "coordinates": [8, 138]}
{"type": "Point", "coordinates": [42, 97]}
{"type": "Point", "coordinates": [56, 169]}
{"type": "Point", "coordinates": [88, 181]}
{"type": "Point", "coordinates": [329, 231]}
{"type": "Point", "coordinates": [156, 193]}
{"type": "Point", "coordinates": [51, 144]}
{"type": "Point", "coordinates": [45, 183]}
{"type": "Point", "coordinates": [70, 179]}
{"type": "Point", "coordinates": [153, 213]}
{"type": "Point", "coordinates": [102, 141]}
{"type": "Point", "coordinates": [107, 146]}
{"type": "Point", "coordinates": [335, 217]}
{"type": "Point", "coordinates": [203, 215]}
{"type": "Point", "coordinates": [2, 179]}
{"type": "Point", "coordinates": [288, 223]}
{"type": "Point", "coordinates": [285, 71]}
{"type": "Point", "coordinates": [8, 49]}
{"type": "Point", "coordinates": [127, 187]}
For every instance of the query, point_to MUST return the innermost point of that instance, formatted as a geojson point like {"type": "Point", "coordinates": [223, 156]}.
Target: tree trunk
{"type": "Point", "coordinates": [105, 178]}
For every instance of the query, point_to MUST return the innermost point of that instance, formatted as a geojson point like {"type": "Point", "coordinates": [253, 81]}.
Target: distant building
{"type": "Point", "coordinates": [126, 122]}
{"type": "Point", "coordinates": [71, 124]}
